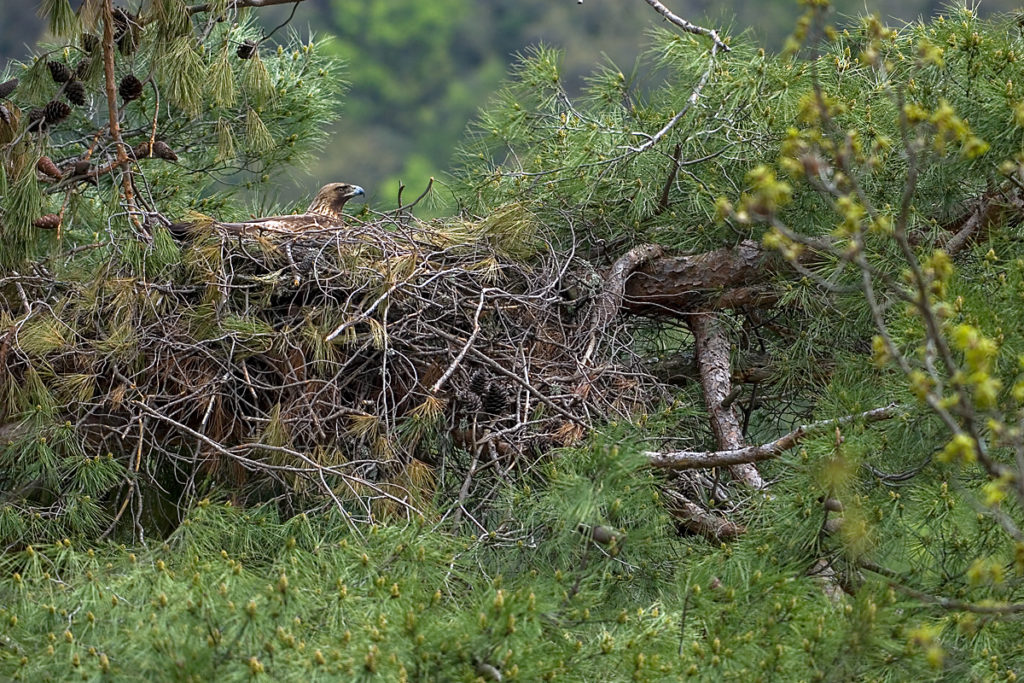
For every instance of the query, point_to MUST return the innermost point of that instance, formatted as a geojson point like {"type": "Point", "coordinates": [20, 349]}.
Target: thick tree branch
{"type": "Point", "coordinates": [713, 347]}
{"type": "Point", "coordinates": [684, 460]}
{"type": "Point", "coordinates": [695, 519]}
{"type": "Point", "coordinates": [680, 285]}
{"type": "Point", "coordinates": [726, 278]}
{"type": "Point", "coordinates": [607, 306]}
{"type": "Point", "coordinates": [991, 208]}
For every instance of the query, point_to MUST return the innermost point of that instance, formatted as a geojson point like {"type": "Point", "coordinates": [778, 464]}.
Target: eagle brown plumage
{"type": "Point", "coordinates": [324, 212]}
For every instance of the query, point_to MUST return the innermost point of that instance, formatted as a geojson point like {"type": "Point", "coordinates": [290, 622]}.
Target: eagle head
{"type": "Point", "coordinates": [332, 197]}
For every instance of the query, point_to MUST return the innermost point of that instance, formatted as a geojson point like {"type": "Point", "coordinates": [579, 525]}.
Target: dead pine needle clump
{"type": "Point", "coordinates": [369, 368]}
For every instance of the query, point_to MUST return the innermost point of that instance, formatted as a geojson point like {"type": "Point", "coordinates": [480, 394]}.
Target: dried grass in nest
{"type": "Point", "coordinates": [339, 362]}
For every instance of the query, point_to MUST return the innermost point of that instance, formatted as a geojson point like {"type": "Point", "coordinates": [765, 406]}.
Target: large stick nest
{"type": "Point", "coordinates": [357, 363]}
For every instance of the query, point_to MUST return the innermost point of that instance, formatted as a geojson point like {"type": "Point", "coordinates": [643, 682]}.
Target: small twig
{"type": "Point", "coordinates": [665, 191]}
{"type": "Point", "coordinates": [896, 581]}
{"type": "Point", "coordinates": [462, 354]}
{"type": "Point", "coordinates": [283, 23]}
{"type": "Point", "coordinates": [682, 616]}
{"type": "Point", "coordinates": [687, 26]}
{"type": "Point", "coordinates": [414, 202]}
{"type": "Point", "coordinates": [690, 101]}
{"type": "Point", "coordinates": [111, 91]}
{"type": "Point", "coordinates": [238, 4]}
{"type": "Point", "coordinates": [21, 292]}
{"type": "Point", "coordinates": [464, 489]}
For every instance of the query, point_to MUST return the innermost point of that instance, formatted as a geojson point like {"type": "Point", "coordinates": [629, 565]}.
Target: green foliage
{"type": "Point", "coordinates": [253, 116]}
{"type": "Point", "coordinates": [222, 116]}
{"type": "Point", "coordinates": [834, 160]}
{"type": "Point", "coordinates": [889, 551]}
{"type": "Point", "coordinates": [238, 593]}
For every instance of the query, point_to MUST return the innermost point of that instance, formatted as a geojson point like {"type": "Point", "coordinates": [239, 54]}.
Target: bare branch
{"type": "Point", "coordinates": [687, 26]}
{"type": "Point", "coordinates": [716, 379]}
{"type": "Point", "coordinates": [697, 520]}
{"type": "Point", "coordinates": [237, 4]}
{"type": "Point", "coordinates": [610, 301]}
{"type": "Point", "coordinates": [896, 581]}
{"type": "Point", "coordinates": [683, 460]}
{"type": "Point", "coordinates": [111, 91]}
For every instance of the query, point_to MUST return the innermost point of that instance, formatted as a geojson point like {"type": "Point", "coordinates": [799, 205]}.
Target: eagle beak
{"type": "Point", "coordinates": [356, 190]}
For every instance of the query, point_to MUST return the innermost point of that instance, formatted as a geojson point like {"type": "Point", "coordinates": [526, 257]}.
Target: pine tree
{"type": "Point", "coordinates": [881, 168]}
{"type": "Point", "coordinates": [167, 120]}
{"type": "Point", "coordinates": [229, 120]}
{"type": "Point", "coordinates": [716, 376]}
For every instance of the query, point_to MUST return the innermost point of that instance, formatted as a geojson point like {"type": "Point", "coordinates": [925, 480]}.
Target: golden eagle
{"type": "Point", "coordinates": [324, 212]}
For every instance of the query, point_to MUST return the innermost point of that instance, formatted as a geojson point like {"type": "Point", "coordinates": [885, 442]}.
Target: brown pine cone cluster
{"type": "Point", "coordinates": [496, 399]}
{"type": "Point", "coordinates": [55, 111]}
{"type": "Point", "coordinates": [485, 394]}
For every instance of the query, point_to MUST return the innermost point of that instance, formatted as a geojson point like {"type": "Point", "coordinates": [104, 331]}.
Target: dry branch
{"type": "Point", "coordinates": [610, 300]}
{"type": "Point", "coordinates": [686, 25]}
{"type": "Point", "coordinates": [713, 347]}
{"type": "Point", "coordinates": [684, 460]}
{"type": "Point", "coordinates": [991, 209]}
{"type": "Point", "coordinates": [697, 520]}
{"type": "Point", "coordinates": [238, 4]}
{"type": "Point", "coordinates": [110, 88]}
{"type": "Point", "coordinates": [898, 582]}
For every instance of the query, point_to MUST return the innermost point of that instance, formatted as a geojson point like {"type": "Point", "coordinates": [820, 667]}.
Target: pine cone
{"type": "Point", "coordinates": [472, 403]}
{"type": "Point", "coordinates": [60, 71]}
{"type": "Point", "coordinates": [247, 49]}
{"type": "Point", "coordinates": [36, 120]}
{"type": "Point", "coordinates": [478, 382]}
{"type": "Point", "coordinates": [130, 88]}
{"type": "Point", "coordinates": [496, 399]}
{"type": "Point", "coordinates": [82, 68]}
{"type": "Point", "coordinates": [56, 111]}
{"type": "Point", "coordinates": [7, 87]}
{"type": "Point", "coordinates": [160, 150]}
{"type": "Point", "coordinates": [50, 221]}
{"type": "Point", "coordinates": [75, 92]}
{"type": "Point", "coordinates": [46, 166]}
{"type": "Point", "coordinates": [90, 42]}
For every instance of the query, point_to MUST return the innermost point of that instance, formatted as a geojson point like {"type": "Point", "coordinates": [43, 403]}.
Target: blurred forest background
{"type": "Point", "coordinates": [418, 71]}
